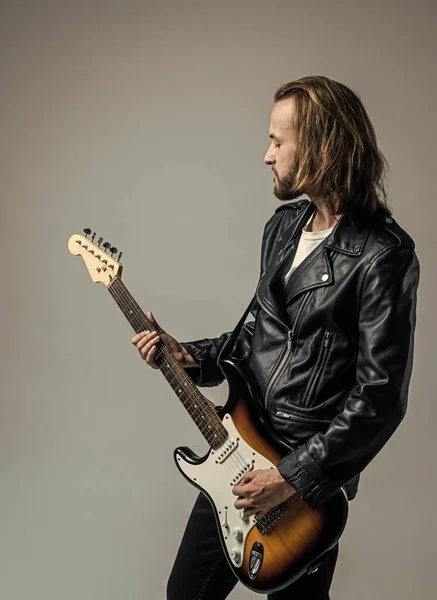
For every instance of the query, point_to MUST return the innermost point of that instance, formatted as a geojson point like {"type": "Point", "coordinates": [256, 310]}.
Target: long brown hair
{"type": "Point", "coordinates": [337, 155]}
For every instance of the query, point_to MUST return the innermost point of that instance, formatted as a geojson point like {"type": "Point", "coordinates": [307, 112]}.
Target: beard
{"type": "Point", "coordinates": [285, 188]}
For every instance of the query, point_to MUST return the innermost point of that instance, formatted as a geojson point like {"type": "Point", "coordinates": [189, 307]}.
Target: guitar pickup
{"type": "Point", "coordinates": [226, 450]}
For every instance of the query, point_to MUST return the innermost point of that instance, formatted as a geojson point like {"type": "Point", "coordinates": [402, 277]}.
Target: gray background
{"type": "Point", "coordinates": [148, 122]}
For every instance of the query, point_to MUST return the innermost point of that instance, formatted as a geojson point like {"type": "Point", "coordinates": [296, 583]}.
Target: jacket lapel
{"type": "Point", "coordinates": [316, 270]}
{"type": "Point", "coordinates": [271, 292]}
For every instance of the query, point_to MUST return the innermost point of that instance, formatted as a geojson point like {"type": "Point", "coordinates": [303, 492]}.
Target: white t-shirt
{"type": "Point", "coordinates": [307, 242]}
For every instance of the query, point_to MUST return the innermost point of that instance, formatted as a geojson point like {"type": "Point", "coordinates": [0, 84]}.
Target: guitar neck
{"type": "Point", "coordinates": [197, 407]}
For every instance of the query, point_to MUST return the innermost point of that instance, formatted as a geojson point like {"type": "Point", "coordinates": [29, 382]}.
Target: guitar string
{"type": "Point", "coordinates": [235, 457]}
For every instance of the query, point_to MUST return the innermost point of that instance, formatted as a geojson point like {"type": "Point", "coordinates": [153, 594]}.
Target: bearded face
{"type": "Point", "coordinates": [281, 155]}
{"type": "Point", "coordinates": [285, 187]}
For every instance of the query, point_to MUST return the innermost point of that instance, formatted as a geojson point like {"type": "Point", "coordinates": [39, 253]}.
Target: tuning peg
{"type": "Point", "coordinates": [106, 245]}
{"type": "Point", "coordinates": [99, 241]}
{"type": "Point", "coordinates": [113, 250]}
{"type": "Point", "coordinates": [94, 235]}
{"type": "Point", "coordinates": [119, 256]}
{"type": "Point", "coordinates": [87, 232]}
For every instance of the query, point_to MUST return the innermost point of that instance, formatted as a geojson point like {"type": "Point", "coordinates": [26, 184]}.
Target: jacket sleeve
{"type": "Point", "coordinates": [377, 404]}
{"type": "Point", "coordinates": [206, 351]}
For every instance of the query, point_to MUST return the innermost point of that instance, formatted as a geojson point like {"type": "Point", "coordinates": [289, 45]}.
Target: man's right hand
{"type": "Point", "coordinates": [146, 341]}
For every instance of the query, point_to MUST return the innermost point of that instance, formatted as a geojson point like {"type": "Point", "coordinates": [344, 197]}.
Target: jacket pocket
{"type": "Point", "coordinates": [316, 373]}
{"type": "Point", "coordinates": [299, 418]}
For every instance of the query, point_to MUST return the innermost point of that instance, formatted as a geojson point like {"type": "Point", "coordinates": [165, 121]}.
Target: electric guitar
{"type": "Point", "coordinates": [267, 553]}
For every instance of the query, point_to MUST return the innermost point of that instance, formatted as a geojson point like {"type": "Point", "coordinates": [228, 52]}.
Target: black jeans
{"type": "Point", "coordinates": [201, 571]}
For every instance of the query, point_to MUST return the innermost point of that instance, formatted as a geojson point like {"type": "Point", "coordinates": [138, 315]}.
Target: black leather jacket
{"type": "Point", "coordinates": [331, 353]}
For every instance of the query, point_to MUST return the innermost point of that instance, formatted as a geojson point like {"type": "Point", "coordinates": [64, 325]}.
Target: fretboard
{"type": "Point", "coordinates": [196, 405]}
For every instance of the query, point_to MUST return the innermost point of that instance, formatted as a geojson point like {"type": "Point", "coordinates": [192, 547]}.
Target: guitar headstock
{"type": "Point", "coordinates": [99, 261]}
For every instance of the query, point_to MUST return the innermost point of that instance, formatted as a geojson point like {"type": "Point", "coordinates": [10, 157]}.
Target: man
{"type": "Point", "coordinates": [331, 344]}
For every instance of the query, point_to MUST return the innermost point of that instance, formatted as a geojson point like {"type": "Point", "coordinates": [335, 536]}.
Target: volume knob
{"type": "Point", "coordinates": [236, 555]}
{"type": "Point", "coordinates": [238, 534]}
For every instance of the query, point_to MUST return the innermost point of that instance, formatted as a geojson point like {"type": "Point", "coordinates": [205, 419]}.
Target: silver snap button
{"type": "Point", "coordinates": [325, 276]}
{"type": "Point", "coordinates": [388, 220]}
{"type": "Point", "coordinates": [356, 248]}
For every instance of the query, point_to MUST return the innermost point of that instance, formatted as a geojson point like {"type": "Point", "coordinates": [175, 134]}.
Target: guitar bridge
{"type": "Point", "coordinates": [265, 524]}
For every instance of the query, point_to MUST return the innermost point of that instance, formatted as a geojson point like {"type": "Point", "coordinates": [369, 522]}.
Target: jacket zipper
{"type": "Point", "coordinates": [278, 367]}
{"type": "Point", "coordinates": [317, 370]}
{"type": "Point", "coordinates": [291, 336]}
{"type": "Point", "coordinates": [298, 316]}
{"type": "Point", "coordinates": [294, 417]}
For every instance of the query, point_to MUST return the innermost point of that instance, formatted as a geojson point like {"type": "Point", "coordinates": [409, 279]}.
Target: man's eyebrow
{"type": "Point", "coordinates": [273, 136]}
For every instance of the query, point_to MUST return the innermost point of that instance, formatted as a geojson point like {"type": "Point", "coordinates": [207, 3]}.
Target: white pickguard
{"type": "Point", "coordinates": [224, 468]}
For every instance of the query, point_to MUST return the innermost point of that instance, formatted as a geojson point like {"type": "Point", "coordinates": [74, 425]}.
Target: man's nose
{"type": "Point", "coordinates": [269, 159]}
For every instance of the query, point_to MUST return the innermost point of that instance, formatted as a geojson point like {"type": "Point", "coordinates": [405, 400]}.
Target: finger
{"type": "Point", "coordinates": [243, 490]}
{"type": "Point", "coordinates": [255, 511]}
{"type": "Point", "coordinates": [249, 476]}
{"type": "Point", "coordinates": [150, 358]}
{"type": "Point", "coordinates": [145, 348]}
{"type": "Point", "coordinates": [147, 339]}
{"type": "Point", "coordinates": [138, 336]}
{"type": "Point", "coordinates": [144, 335]}
{"type": "Point", "coordinates": [239, 490]}
{"type": "Point", "coordinates": [152, 318]}
{"type": "Point", "coordinates": [260, 514]}
{"type": "Point", "coordinates": [242, 503]}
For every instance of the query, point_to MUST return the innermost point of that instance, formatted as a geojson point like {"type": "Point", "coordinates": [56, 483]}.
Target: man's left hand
{"type": "Point", "coordinates": [261, 490]}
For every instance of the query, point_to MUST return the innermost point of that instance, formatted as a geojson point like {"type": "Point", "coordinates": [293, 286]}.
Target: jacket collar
{"type": "Point", "coordinates": [348, 236]}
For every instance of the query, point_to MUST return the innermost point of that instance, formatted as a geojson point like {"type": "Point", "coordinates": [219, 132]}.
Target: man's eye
{"type": "Point", "coordinates": [276, 145]}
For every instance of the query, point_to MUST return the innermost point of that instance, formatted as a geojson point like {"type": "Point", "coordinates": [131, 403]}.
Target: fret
{"type": "Point", "coordinates": [193, 401]}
